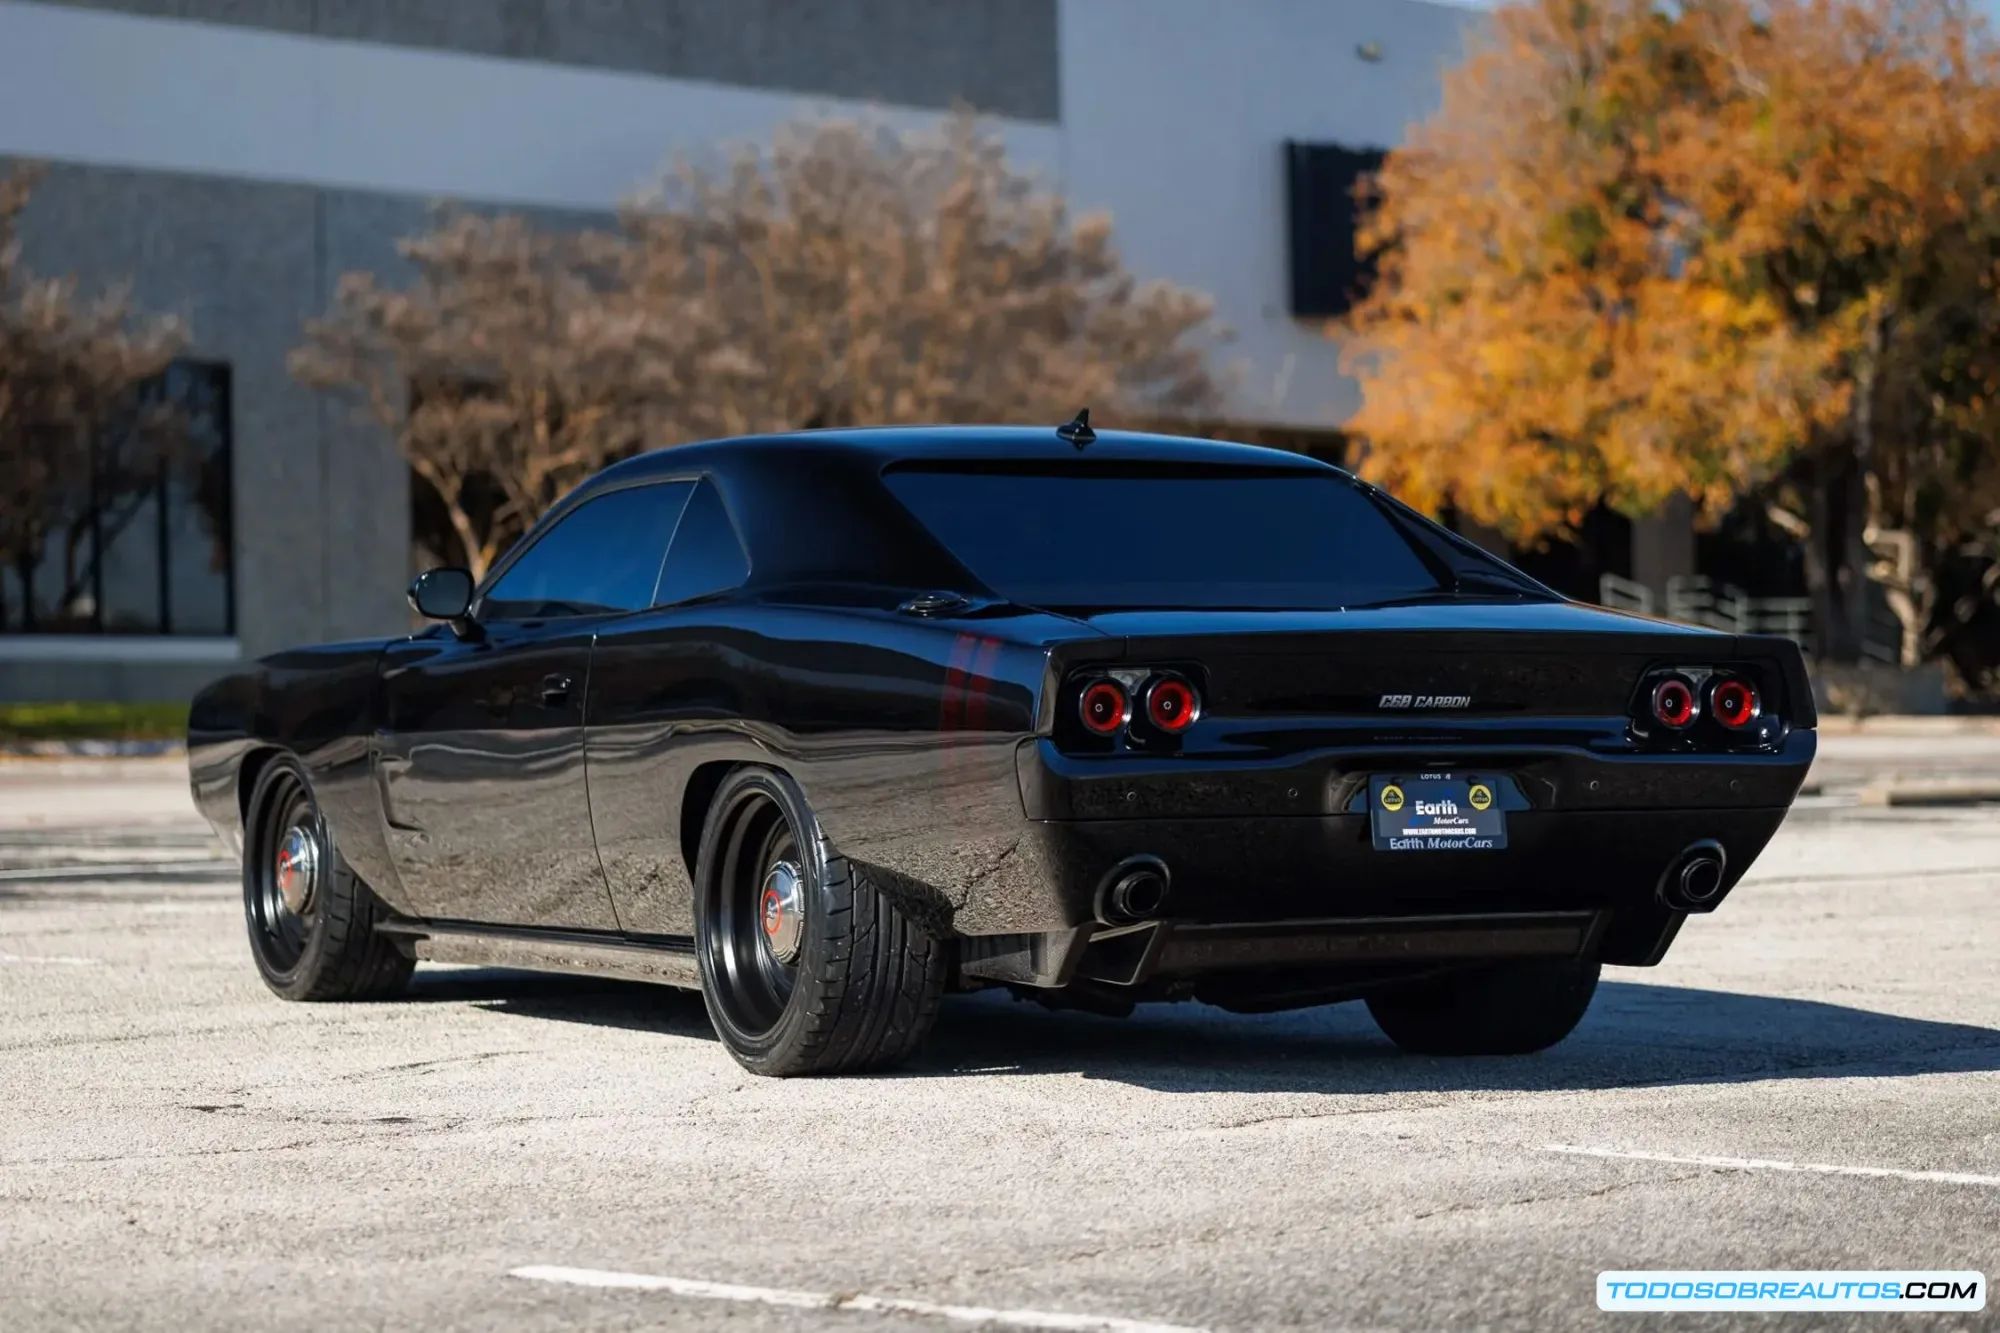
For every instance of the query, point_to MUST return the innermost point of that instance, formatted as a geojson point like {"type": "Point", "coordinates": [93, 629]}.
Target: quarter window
{"type": "Point", "coordinates": [600, 558]}
{"type": "Point", "coordinates": [707, 555]}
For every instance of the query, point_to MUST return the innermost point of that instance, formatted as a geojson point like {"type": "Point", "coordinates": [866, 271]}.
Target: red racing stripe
{"type": "Point", "coordinates": [951, 710]}
{"type": "Point", "coordinates": [982, 683]}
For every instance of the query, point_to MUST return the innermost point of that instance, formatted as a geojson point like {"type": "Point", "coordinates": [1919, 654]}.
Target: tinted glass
{"type": "Point", "coordinates": [1110, 536]}
{"type": "Point", "coordinates": [144, 546]}
{"type": "Point", "coordinates": [706, 555]}
{"type": "Point", "coordinates": [602, 556]}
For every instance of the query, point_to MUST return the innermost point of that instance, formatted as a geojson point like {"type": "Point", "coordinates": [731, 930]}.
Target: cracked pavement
{"type": "Point", "coordinates": [178, 1149]}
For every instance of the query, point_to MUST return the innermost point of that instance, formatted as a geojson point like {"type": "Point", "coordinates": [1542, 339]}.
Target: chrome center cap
{"type": "Point", "coordinates": [298, 870]}
{"type": "Point", "coordinates": [781, 911]}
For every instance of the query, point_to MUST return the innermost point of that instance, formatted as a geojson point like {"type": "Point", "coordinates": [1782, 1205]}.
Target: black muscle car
{"type": "Point", "coordinates": [830, 724]}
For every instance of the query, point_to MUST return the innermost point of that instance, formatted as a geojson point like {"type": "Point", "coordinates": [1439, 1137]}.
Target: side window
{"type": "Point", "coordinates": [603, 556]}
{"type": "Point", "coordinates": [707, 555]}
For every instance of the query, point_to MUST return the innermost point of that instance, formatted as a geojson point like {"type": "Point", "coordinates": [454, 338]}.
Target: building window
{"type": "Point", "coordinates": [1327, 274]}
{"type": "Point", "coordinates": [138, 540]}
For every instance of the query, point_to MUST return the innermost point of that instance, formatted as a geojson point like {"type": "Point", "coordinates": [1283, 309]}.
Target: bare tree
{"type": "Point", "coordinates": [852, 274]}
{"type": "Point", "coordinates": [847, 274]}
{"type": "Point", "coordinates": [500, 370]}
{"type": "Point", "coordinates": [69, 372]}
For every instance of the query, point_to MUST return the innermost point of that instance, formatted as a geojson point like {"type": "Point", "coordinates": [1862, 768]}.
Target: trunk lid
{"type": "Point", "coordinates": [1431, 661]}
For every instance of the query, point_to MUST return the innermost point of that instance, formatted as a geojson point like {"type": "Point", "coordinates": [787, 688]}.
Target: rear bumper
{"type": "Point", "coordinates": [1281, 847]}
{"type": "Point", "coordinates": [1249, 870]}
{"type": "Point", "coordinates": [1284, 964]}
{"type": "Point", "coordinates": [1177, 949]}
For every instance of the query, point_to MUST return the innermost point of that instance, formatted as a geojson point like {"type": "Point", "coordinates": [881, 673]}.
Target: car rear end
{"type": "Point", "coordinates": [1520, 780]}
{"type": "Point", "coordinates": [1305, 741]}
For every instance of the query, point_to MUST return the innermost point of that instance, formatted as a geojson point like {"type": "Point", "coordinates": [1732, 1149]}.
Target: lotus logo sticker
{"type": "Point", "coordinates": [1481, 796]}
{"type": "Point", "coordinates": [1392, 797]}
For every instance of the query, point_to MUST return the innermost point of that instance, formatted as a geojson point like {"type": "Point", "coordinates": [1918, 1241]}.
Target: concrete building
{"type": "Point", "coordinates": [233, 158]}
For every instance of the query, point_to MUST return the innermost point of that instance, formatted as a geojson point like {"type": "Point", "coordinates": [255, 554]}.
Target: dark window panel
{"type": "Point", "coordinates": [1108, 536]}
{"type": "Point", "coordinates": [200, 585]}
{"type": "Point", "coordinates": [145, 547]}
{"type": "Point", "coordinates": [127, 578]}
{"type": "Point", "coordinates": [601, 557]}
{"type": "Point", "coordinates": [1327, 273]}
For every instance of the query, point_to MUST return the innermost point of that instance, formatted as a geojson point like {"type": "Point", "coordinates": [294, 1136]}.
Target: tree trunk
{"type": "Point", "coordinates": [24, 572]}
{"type": "Point", "coordinates": [1836, 557]}
{"type": "Point", "coordinates": [1837, 505]}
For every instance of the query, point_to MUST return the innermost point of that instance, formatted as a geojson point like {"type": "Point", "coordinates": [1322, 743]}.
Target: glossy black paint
{"type": "Point", "coordinates": [552, 774]}
{"type": "Point", "coordinates": [480, 761]}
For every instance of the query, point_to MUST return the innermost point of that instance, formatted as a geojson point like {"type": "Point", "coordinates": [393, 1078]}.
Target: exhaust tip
{"type": "Point", "coordinates": [1133, 892]}
{"type": "Point", "coordinates": [1701, 879]}
{"type": "Point", "coordinates": [1693, 881]}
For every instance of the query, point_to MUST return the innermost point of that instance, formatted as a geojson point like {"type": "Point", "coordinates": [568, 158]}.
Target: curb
{"type": "Point", "coordinates": [1929, 794]}
{"type": "Point", "coordinates": [91, 749]}
{"type": "Point", "coordinates": [1910, 725]}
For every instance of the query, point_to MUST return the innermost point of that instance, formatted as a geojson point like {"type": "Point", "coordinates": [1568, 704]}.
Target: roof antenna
{"type": "Point", "coordinates": [1078, 432]}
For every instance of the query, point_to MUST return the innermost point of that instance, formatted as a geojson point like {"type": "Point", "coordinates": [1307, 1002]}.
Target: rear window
{"type": "Point", "coordinates": [1083, 535]}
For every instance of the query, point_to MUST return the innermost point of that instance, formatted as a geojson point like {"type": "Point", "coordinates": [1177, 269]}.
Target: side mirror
{"type": "Point", "coordinates": [442, 594]}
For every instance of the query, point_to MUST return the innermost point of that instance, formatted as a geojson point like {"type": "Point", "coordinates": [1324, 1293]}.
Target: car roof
{"type": "Point", "coordinates": [810, 506]}
{"type": "Point", "coordinates": [883, 445]}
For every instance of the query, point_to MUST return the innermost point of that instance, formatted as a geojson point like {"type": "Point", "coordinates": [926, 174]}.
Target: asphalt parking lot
{"type": "Point", "coordinates": [1811, 1081]}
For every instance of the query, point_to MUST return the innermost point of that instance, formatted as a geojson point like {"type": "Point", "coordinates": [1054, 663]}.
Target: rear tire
{"type": "Point", "coordinates": [1506, 1009]}
{"type": "Point", "coordinates": [807, 967]}
{"type": "Point", "coordinates": [311, 920]}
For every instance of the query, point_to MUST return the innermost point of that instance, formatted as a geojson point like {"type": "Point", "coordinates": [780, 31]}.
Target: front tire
{"type": "Point", "coordinates": [807, 967]}
{"type": "Point", "coordinates": [1505, 1009]}
{"type": "Point", "coordinates": [311, 921]}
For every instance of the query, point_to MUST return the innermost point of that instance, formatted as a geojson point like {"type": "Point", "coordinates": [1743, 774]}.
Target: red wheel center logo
{"type": "Point", "coordinates": [774, 912]}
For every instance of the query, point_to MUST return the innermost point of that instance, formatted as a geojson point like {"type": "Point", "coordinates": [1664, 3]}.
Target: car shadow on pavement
{"type": "Point", "coordinates": [566, 998]}
{"type": "Point", "coordinates": [1636, 1035]}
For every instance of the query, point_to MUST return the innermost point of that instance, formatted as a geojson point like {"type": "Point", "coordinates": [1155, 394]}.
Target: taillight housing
{"type": "Point", "coordinates": [1674, 704]}
{"type": "Point", "coordinates": [1733, 702]}
{"type": "Point", "coordinates": [1171, 704]}
{"type": "Point", "coordinates": [1705, 708]}
{"type": "Point", "coordinates": [1104, 707]}
{"type": "Point", "coordinates": [1136, 706]}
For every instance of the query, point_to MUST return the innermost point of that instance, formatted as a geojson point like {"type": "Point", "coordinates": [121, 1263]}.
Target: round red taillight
{"type": "Point", "coordinates": [1171, 704]}
{"type": "Point", "coordinates": [1673, 703]}
{"type": "Point", "coordinates": [1734, 703]}
{"type": "Point", "coordinates": [1103, 707]}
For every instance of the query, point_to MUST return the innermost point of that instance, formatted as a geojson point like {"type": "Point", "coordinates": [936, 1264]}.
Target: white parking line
{"type": "Point", "coordinates": [827, 1300]}
{"type": "Point", "coordinates": [1760, 1164]}
{"type": "Point", "coordinates": [55, 959]}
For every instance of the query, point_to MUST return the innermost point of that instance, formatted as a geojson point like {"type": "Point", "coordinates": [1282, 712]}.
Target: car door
{"type": "Point", "coordinates": [664, 686]}
{"type": "Point", "coordinates": [481, 753]}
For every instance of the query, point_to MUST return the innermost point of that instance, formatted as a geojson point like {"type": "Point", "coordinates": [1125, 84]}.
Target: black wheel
{"type": "Point", "coordinates": [806, 966]}
{"type": "Point", "coordinates": [312, 923]}
{"type": "Point", "coordinates": [1507, 1009]}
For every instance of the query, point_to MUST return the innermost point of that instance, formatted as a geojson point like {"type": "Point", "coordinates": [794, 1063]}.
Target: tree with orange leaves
{"type": "Point", "coordinates": [1706, 248]}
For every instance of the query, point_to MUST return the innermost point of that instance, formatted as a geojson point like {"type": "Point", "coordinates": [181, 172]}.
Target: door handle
{"type": "Point", "coordinates": [555, 689]}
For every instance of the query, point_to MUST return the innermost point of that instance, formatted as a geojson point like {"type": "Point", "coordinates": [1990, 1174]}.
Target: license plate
{"type": "Point", "coordinates": [1437, 812]}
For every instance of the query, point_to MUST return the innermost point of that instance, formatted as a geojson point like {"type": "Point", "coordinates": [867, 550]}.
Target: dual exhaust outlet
{"type": "Point", "coordinates": [1693, 880]}
{"type": "Point", "coordinates": [1133, 892]}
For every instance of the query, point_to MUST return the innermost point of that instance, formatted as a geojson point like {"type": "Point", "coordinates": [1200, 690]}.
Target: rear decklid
{"type": "Point", "coordinates": [1444, 658]}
